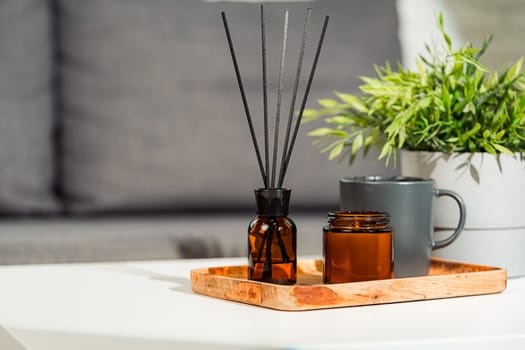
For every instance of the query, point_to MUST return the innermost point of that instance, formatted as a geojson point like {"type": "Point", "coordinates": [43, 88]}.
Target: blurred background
{"type": "Point", "coordinates": [122, 133]}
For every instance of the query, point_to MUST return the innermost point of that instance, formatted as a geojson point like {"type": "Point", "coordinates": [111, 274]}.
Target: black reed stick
{"type": "Point", "coordinates": [265, 98]}
{"type": "Point", "coordinates": [279, 97]}
{"type": "Point", "coordinates": [243, 96]}
{"type": "Point", "coordinates": [305, 97]}
{"type": "Point", "coordinates": [294, 96]}
{"type": "Point", "coordinates": [267, 267]}
{"type": "Point", "coordinates": [282, 247]}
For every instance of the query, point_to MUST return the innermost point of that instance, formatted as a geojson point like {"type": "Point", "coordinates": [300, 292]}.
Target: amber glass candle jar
{"type": "Point", "coordinates": [357, 246]}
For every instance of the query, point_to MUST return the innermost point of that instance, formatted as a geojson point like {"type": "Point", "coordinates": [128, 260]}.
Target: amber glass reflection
{"type": "Point", "coordinates": [357, 246]}
{"type": "Point", "coordinates": [272, 250]}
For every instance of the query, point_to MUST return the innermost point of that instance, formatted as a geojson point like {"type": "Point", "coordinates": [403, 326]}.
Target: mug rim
{"type": "Point", "coordinates": [380, 179]}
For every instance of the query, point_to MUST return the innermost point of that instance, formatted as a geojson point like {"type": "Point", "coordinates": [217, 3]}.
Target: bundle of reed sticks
{"type": "Point", "coordinates": [269, 171]}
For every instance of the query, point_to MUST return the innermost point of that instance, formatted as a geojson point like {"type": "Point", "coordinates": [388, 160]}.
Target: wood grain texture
{"type": "Point", "coordinates": [446, 279]}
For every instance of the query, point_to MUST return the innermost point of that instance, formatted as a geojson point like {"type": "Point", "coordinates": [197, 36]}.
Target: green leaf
{"type": "Point", "coordinates": [328, 132]}
{"type": "Point", "coordinates": [472, 131]}
{"type": "Point", "coordinates": [493, 80]}
{"type": "Point", "coordinates": [499, 135]}
{"type": "Point", "coordinates": [353, 101]}
{"type": "Point", "coordinates": [310, 115]}
{"type": "Point", "coordinates": [420, 68]}
{"type": "Point", "coordinates": [386, 150]}
{"type": "Point", "coordinates": [424, 103]}
{"type": "Point", "coordinates": [310, 112]}
{"type": "Point", "coordinates": [341, 120]}
{"type": "Point", "coordinates": [336, 151]}
{"type": "Point", "coordinates": [503, 149]}
{"type": "Point", "coordinates": [447, 39]}
{"type": "Point", "coordinates": [441, 27]}
{"type": "Point", "coordinates": [320, 132]}
{"type": "Point", "coordinates": [328, 103]}
{"type": "Point", "coordinates": [515, 70]}
{"type": "Point", "coordinates": [472, 61]}
{"type": "Point", "coordinates": [357, 143]}
{"type": "Point", "coordinates": [402, 137]}
{"type": "Point", "coordinates": [371, 81]}
{"type": "Point", "coordinates": [369, 139]}
{"type": "Point", "coordinates": [469, 107]}
{"type": "Point", "coordinates": [471, 51]}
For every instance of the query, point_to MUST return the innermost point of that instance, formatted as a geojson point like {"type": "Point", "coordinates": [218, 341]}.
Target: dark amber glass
{"type": "Point", "coordinates": [272, 250]}
{"type": "Point", "coordinates": [357, 246]}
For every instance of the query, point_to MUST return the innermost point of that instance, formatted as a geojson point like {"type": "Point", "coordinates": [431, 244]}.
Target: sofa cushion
{"type": "Point", "coordinates": [139, 237]}
{"type": "Point", "coordinates": [26, 116]}
{"type": "Point", "coordinates": [152, 116]}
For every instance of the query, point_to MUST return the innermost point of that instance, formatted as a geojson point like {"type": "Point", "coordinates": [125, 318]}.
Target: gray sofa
{"type": "Point", "coordinates": [122, 134]}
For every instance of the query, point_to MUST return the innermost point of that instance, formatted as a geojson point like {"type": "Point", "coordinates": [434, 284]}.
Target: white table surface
{"type": "Point", "coordinates": [150, 305]}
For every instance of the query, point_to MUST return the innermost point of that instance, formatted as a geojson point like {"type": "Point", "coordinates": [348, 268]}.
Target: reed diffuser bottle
{"type": "Point", "coordinates": [272, 236]}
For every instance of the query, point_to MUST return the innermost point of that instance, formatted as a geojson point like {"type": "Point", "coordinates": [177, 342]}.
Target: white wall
{"type": "Point", "coordinates": [465, 20]}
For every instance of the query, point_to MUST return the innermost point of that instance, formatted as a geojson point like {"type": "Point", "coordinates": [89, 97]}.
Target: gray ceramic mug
{"type": "Point", "coordinates": [409, 201]}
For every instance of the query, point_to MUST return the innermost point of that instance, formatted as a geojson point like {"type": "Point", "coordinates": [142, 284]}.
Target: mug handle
{"type": "Point", "coordinates": [462, 218]}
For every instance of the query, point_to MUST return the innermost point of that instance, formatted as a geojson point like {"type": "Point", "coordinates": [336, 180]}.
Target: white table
{"type": "Point", "coordinates": [150, 305]}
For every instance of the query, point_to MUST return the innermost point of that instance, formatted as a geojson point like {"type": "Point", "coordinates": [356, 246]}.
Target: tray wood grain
{"type": "Point", "coordinates": [446, 279]}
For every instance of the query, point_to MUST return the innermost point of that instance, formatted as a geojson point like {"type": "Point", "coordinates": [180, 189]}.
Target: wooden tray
{"type": "Point", "coordinates": [446, 279]}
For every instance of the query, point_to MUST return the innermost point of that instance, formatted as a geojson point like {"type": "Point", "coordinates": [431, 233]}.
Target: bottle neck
{"type": "Point", "coordinates": [272, 202]}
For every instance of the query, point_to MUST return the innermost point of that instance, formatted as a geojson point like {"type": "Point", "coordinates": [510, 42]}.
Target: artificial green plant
{"type": "Point", "coordinates": [451, 103]}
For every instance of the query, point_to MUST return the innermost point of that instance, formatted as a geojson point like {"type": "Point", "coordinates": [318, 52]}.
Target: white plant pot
{"type": "Point", "coordinates": [494, 232]}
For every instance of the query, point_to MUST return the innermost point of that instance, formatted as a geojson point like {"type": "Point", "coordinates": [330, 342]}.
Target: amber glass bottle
{"type": "Point", "coordinates": [357, 246]}
{"type": "Point", "coordinates": [272, 239]}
